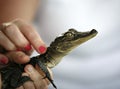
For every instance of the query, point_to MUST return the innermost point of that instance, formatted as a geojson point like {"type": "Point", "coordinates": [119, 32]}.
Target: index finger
{"type": "Point", "coordinates": [32, 35]}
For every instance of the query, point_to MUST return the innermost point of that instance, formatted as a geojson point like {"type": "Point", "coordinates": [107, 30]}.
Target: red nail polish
{"type": "Point", "coordinates": [28, 47]}
{"type": "Point", "coordinates": [3, 61]}
{"type": "Point", "coordinates": [42, 49]}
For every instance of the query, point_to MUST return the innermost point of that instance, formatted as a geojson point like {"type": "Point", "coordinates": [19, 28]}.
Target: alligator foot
{"type": "Point", "coordinates": [35, 61]}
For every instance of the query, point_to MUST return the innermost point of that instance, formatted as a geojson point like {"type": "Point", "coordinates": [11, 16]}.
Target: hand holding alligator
{"type": "Point", "coordinates": [37, 79]}
{"type": "Point", "coordinates": [60, 47]}
{"type": "Point", "coordinates": [16, 44]}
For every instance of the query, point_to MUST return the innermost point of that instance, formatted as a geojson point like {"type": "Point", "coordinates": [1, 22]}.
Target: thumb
{"type": "Point", "coordinates": [18, 57]}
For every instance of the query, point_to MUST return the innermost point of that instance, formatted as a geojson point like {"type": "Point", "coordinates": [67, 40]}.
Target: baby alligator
{"type": "Point", "coordinates": [61, 46]}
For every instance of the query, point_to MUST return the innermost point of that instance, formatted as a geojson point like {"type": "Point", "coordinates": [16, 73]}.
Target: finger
{"type": "Point", "coordinates": [6, 43]}
{"type": "Point", "coordinates": [28, 84]}
{"type": "Point", "coordinates": [3, 60]}
{"type": "Point", "coordinates": [32, 35]}
{"type": "Point", "coordinates": [43, 74]}
{"type": "Point", "coordinates": [21, 87]}
{"type": "Point", "coordinates": [14, 34]}
{"type": "Point", "coordinates": [29, 52]}
{"type": "Point", "coordinates": [39, 82]}
{"type": "Point", "coordinates": [18, 57]}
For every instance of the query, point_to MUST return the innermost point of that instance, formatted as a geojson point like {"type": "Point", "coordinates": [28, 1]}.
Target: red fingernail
{"type": "Point", "coordinates": [3, 60]}
{"type": "Point", "coordinates": [28, 47]}
{"type": "Point", "coordinates": [42, 49]}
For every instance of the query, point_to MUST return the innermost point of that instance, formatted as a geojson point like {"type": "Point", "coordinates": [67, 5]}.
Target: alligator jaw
{"type": "Point", "coordinates": [84, 36]}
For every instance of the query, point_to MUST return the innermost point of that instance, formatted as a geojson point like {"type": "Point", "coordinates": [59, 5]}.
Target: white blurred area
{"type": "Point", "coordinates": [96, 63]}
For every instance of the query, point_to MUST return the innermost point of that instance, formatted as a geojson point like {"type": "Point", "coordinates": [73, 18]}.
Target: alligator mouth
{"type": "Point", "coordinates": [82, 37]}
{"type": "Point", "coordinates": [93, 32]}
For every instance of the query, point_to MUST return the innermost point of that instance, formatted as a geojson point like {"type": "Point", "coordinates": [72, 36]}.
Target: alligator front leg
{"type": "Point", "coordinates": [37, 61]}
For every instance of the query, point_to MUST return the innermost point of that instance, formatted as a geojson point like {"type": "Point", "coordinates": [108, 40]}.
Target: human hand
{"type": "Point", "coordinates": [18, 36]}
{"type": "Point", "coordinates": [36, 76]}
{"type": "Point", "coordinates": [13, 41]}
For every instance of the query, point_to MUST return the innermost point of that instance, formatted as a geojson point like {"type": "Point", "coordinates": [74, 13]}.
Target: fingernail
{"type": "Point", "coordinates": [28, 47]}
{"type": "Point", "coordinates": [3, 60]}
{"type": "Point", "coordinates": [30, 69]}
{"type": "Point", "coordinates": [42, 49]}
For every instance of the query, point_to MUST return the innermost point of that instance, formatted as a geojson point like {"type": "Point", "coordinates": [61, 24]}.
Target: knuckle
{"type": "Point", "coordinates": [10, 27]}
{"type": "Point", "coordinates": [4, 25]}
{"type": "Point", "coordinates": [17, 20]}
{"type": "Point", "coordinates": [20, 22]}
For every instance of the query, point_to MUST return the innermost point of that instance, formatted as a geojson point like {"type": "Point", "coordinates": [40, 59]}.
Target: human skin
{"type": "Point", "coordinates": [18, 37]}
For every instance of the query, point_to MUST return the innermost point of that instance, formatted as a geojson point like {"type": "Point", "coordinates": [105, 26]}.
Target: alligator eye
{"type": "Point", "coordinates": [70, 35]}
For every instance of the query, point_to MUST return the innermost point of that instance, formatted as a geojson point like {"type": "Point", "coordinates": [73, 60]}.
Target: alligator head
{"type": "Point", "coordinates": [71, 39]}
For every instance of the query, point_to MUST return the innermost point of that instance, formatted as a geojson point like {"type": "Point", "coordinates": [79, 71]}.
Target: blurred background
{"type": "Point", "coordinates": [96, 63]}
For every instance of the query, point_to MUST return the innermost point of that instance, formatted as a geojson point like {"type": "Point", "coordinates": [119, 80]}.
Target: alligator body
{"type": "Point", "coordinates": [61, 46]}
